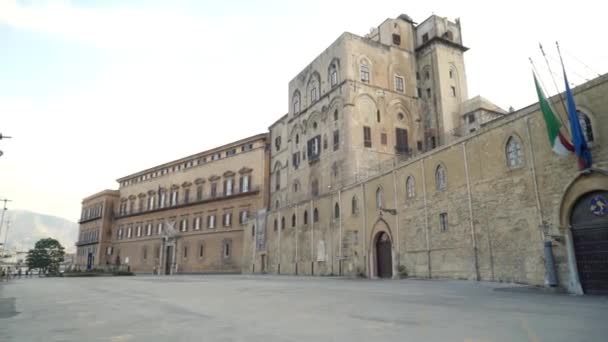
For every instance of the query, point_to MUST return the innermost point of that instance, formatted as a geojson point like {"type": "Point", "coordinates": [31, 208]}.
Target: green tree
{"type": "Point", "coordinates": [46, 256]}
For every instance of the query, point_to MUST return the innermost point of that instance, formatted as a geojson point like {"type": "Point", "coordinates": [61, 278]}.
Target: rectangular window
{"type": "Point", "coordinates": [428, 93]}
{"type": "Point", "coordinates": [334, 77]}
{"type": "Point", "coordinates": [149, 229]}
{"type": "Point", "coordinates": [365, 74]}
{"type": "Point", "coordinates": [213, 190]}
{"type": "Point", "coordinates": [185, 252]}
{"type": "Point", "coordinates": [396, 39]}
{"type": "Point", "coordinates": [227, 219]}
{"type": "Point", "coordinates": [199, 193]}
{"type": "Point", "coordinates": [313, 94]}
{"type": "Point", "coordinates": [243, 217]}
{"type": "Point", "coordinates": [336, 140]}
{"type": "Point", "coordinates": [383, 138]}
{"type": "Point", "coordinates": [471, 118]}
{"type": "Point", "coordinates": [138, 231]}
{"type": "Point", "coordinates": [226, 250]}
{"type": "Point", "coordinates": [244, 183]}
{"type": "Point", "coordinates": [443, 222]}
{"type": "Point", "coordinates": [399, 84]}
{"type": "Point", "coordinates": [186, 195]}
{"type": "Point", "coordinates": [161, 200]}
{"type": "Point", "coordinates": [418, 92]}
{"type": "Point", "coordinates": [425, 38]}
{"type": "Point", "coordinates": [453, 91]}
{"type": "Point", "coordinates": [314, 148]}
{"type": "Point", "coordinates": [231, 152]}
{"type": "Point", "coordinates": [197, 223]}
{"type": "Point", "coordinates": [174, 195]}
{"type": "Point", "coordinates": [129, 232]}
{"type": "Point", "coordinates": [367, 136]}
{"type": "Point", "coordinates": [211, 221]}
{"type": "Point", "coordinates": [200, 251]}
{"type": "Point", "coordinates": [183, 226]}
{"type": "Point", "coordinates": [228, 187]}
{"type": "Point", "coordinates": [159, 228]}
{"type": "Point", "coordinates": [401, 139]}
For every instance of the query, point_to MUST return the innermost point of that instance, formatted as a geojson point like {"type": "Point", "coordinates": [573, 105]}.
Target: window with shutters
{"type": "Point", "coordinates": [399, 84]}
{"type": "Point", "coordinates": [228, 186]}
{"type": "Point", "coordinates": [314, 149]}
{"type": "Point", "coordinates": [197, 223]}
{"type": "Point", "coordinates": [367, 136]}
{"type": "Point", "coordinates": [401, 139]}
{"type": "Point", "coordinates": [227, 219]}
{"type": "Point", "coordinates": [244, 183]}
{"type": "Point", "coordinates": [174, 195]}
{"type": "Point", "coordinates": [243, 217]}
{"type": "Point", "coordinates": [183, 226]}
{"type": "Point", "coordinates": [211, 221]}
{"type": "Point", "coordinates": [364, 70]}
{"type": "Point", "coordinates": [149, 229]}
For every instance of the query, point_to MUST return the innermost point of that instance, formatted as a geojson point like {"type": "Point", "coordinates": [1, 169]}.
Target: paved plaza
{"type": "Point", "coordinates": [281, 308]}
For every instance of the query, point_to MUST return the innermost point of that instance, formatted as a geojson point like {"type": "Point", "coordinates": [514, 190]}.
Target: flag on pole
{"type": "Point", "coordinates": [578, 138]}
{"type": "Point", "coordinates": [557, 139]}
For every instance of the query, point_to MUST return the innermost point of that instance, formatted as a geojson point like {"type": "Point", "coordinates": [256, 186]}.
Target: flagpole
{"type": "Point", "coordinates": [544, 89]}
{"type": "Point", "coordinates": [561, 100]}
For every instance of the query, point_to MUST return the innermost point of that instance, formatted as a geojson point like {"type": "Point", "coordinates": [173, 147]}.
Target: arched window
{"type": "Point", "coordinates": [296, 102]}
{"type": "Point", "coordinates": [313, 88]}
{"type": "Point", "coordinates": [282, 222]}
{"type": "Point", "coordinates": [379, 198]}
{"type": "Point", "coordinates": [585, 123]}
{"type": "Point", "coordinates": [515, 156]}
{"type": "Point", "coordinates": [354, 209]}
{"type": "Point", "coordinates": [293, 220]}
{"type": "Point", "coordinates": [297, 139]}
{"type": "Point", "coordinates": [276, 225]}
{"type": "Point", "coordinates": [252, 231]}
{"type": "Point", "coordinates": [315, 215]}
{"type": "Point", "coordinates": [305, 219]}
{"type": "Point", "coordinates": [277, 180]}
{"type": "Point", "coordinates": [332, 73]}
{"type": "Point", "coordinates": [440, 178]}
{"type": "Point", "coordinates": [276, 204]}
{"type": "Point", "coordinates": [410, 187]}
{"type": "Point", "coordinates": [296, 186]}
{"type": "Point", "coordinates": [364, 71]}
{"type": "Point", "coordinates": [336, 115]}
{"type": "Point", "coordinates": [336, 211]}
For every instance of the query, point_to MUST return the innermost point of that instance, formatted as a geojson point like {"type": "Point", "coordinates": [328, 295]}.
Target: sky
{"type": "Point", "coordinates": [91, 91]}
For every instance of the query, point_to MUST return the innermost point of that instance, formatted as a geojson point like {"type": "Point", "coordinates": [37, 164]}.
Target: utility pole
{"type": "Point", "coordinates": [8, 226]}
{"type": "Point", "coordinates": [3, 211]}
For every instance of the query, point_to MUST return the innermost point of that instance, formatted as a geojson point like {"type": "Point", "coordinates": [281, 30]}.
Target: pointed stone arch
{"type": "Point", "coordinates": [381, 230]}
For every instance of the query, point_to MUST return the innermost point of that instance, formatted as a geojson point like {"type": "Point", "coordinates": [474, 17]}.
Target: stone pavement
{"type": "Point", "coordinates": [281, 308]}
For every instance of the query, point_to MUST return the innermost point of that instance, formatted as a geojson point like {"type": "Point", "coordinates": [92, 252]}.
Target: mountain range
{"type": "Point", "coordinates": [27, 227]}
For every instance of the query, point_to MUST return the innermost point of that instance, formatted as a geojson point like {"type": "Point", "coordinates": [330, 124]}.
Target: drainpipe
{"type": "Point", "coordinates": [340, 232]}
{"type": "Point", "coordinates": [473, 234]}
{"type": "Point", "coordinates": [296, 266]}
{"type": "Point", "coordinates": [426, 223]}
{"type": "Point", "coordinates": [312, 239]}
{"type": "Point", "coordinates": [279, 250]}
{"type": "Point", "coordinates": [396, 242]}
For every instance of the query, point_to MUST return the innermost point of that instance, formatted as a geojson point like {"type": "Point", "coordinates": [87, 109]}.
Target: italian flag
{"type": "Point", "coordinates": [558, 141]}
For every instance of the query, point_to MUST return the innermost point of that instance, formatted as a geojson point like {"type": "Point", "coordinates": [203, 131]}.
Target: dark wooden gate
{"type": "Point", "coordinates": [168, 260]}
{"type": "Point", "coordinates": [384, 259]}
{"type": "Point", "coordinates": [589, 221]}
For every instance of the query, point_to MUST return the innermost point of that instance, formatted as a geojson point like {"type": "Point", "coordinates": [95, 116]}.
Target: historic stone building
{"type": "Point", "coordinates": [185, 216]}
{"type": "Point", "coordinates": [382, 166]}
{"type": "Point", "coordinates": [95, 231]}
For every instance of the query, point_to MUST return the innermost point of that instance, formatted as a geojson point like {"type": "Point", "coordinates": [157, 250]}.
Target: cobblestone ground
{"type": "Point", "coordinates": [277, 308]}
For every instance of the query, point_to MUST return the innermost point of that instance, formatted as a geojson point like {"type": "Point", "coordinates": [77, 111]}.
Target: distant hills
{"type": "Point", "coordinates": [28, 227]}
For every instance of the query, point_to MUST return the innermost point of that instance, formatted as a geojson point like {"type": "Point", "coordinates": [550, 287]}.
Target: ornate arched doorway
{"type": "Point", "coordinates": [384, 256]}
{"type": "Point", "coordinates": [589, 228]}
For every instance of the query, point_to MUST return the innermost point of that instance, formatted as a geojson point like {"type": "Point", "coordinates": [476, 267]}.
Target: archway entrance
{"type": "Point", "coordinates": [384, 258]}
{"type": "Point", "coordinates": [589, 226]}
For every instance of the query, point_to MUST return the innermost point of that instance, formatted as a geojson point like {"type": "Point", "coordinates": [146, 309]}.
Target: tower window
{"type": "Point", "coordinates": [396, 39]}
{"type": "Point", "coordinates": [443, 222]}
{"type": "Point", "coordinates": [453, 91]}
{"type": "Point", "coordinates": [428, 93]}
{"type": "Point", "coordinates": [399, 84]}
{"type": "Point", "coordinates": [364, 69]}
{"type": "Point", "coordinates": [515, 157]}
{"type": "Point", "coordinates": [425, 38]}
{"type": "Point", "coordinates": [367, 136]}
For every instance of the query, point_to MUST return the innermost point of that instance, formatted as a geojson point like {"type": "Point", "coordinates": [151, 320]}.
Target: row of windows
{"type": "Point", "coordinates": [86, 250]}
{"type": "Point", "coordinates": [90, 212]}
{"type": "Point", "coordinates": [89, 236]}
{"type": "Point", "coordinates": [187, 165]}
{"type": "Point", "coordinates": [184, 224]}
{"type": "Point", "coordinates": [160, 199]}
{"type": "Point", "coordinates": [313, 87]}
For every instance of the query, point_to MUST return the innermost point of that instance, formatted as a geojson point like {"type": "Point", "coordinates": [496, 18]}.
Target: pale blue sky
{"type": "Point", "coordinates": [94, 90]}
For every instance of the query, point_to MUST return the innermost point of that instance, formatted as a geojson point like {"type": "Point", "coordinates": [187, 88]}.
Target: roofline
{"type": "Point", "coordinates": [278, 121]}
{"type": "Point", "coordinates": [237, 142]}
{"type": "Point", "coordinates": [444, 41]}
{"type": "Point", "coordinates": [108, 192]}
